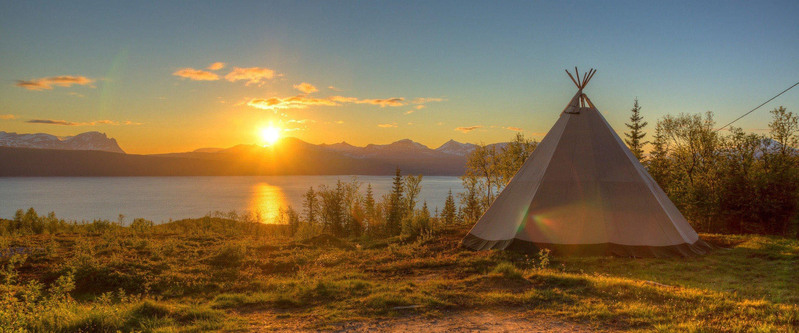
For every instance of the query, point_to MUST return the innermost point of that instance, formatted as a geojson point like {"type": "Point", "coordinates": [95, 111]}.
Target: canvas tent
{"type": "Point", "coordinates": [582, 192]}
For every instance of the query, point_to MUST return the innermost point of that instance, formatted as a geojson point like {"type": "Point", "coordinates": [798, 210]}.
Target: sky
{"type": "Point", "coordinates": [172, 76]}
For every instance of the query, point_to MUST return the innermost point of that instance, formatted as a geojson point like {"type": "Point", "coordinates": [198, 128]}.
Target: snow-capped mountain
{"type": "Point", "coordinates": [83, 141]}
{"type": "Point", "coordinates": [456, 148]}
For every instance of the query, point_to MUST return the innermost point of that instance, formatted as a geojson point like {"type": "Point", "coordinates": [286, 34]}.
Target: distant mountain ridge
{"type": "Point", "coordinates": [83, 141]}
{"type": "Point", "coordinates": [73, 156]}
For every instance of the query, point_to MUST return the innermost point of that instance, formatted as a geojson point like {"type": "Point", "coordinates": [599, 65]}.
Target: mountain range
{"type": "Point", "coordinates": [94, 154]}
{"type": "Point", "coordinates": [83, 141]}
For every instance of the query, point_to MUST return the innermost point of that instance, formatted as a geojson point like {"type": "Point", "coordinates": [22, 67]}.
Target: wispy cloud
{"type": "Point", "coordinates": [419, 107]}
{"type": "Point", "coordinates": [387, 125]}
{"type": "Point", "coordinates": [468, 128]}
{"type": "Point", "coordinates": [296, 102]}
{"type": "Point", "coordinates": [512, 128]}
{"type": "Point", "coordinates": [300, 121]}
{"type": "Point", "coordinates": [71, 123]}
{"type": "Point", "coordinates": [52, 122]}
{"type": "Point", "coordinates": [333, 88]}
{"type": "Point", "coordinates": [393, 101]}
{"type": "Point", "coordinates": [253, 75]}
{"type": "Point", "coordinates": [306, 87]}
{"type": "Point", "coordinates": [408, 112]}
{"type": "Point", "coordinates": [303, 101]}
{"type": "Point", "coordinates": [216, 66]}
{"type": "Point", "coordinates": [196, 74]}
{"type": "Point", "coordinates": [424, 100]}
{"type": "Point", "coordinates": [47, 83]}
{"type": "Point", "coordinates": [7, 116]}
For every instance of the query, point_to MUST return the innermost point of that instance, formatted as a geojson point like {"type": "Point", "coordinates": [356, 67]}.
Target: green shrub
{"type": "Point", "coordinates": [141, 225]}
{"type": "Point", "coordinates": [508, 270]}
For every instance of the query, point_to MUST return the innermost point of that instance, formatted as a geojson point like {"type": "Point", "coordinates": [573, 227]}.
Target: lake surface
{"type": "Point", "coordinates": [163, 198]}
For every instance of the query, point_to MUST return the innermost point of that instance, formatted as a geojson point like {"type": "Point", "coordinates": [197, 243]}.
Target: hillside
{"type": "Point", "coordinates": [214, 274]}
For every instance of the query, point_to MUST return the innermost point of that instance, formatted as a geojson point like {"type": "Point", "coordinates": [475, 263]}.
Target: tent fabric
{"type": "Point", "coordinates": [582, 192]}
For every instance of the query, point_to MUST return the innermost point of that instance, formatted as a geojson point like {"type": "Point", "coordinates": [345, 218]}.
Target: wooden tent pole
{"type": "Point", "coordinates": [572, 77]}
{"type": "Point", "coordinates": [577, 73]}
{"type": "Point", "coordinates": [590, 76]}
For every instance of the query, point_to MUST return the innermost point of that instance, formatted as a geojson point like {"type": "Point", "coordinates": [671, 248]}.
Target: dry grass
{"type": "Point", "coordinates": [214, 274]}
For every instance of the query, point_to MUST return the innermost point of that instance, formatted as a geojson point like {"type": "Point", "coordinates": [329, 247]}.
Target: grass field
{"type": "Point", "coordinates": [216, 274]}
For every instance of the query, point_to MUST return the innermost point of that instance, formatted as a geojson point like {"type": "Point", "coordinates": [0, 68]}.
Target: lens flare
{"type": "Point", "coordinates": [270, 135]}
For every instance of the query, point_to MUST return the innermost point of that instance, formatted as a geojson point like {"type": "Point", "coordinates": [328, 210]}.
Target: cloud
{"type": "Point", "coordinates": [296, 102]}
{"type": "Point", "coordinates": [303, 101]}
{"type": "Point", "coordinates": [47, 83]}
{"type": "Point", "coordinates": [512, 128]}
{"type": "Point", "coordinates": [306, 87]}
{"type": "Point", "coordinates": [70, 123]}
{"type": "Point", "coordinates": [196, 74]}
{"type": "Point", "coordinates": [408, 112]}
{"type": "Point", "coordinates": [423, 100]}
{"type": "Point", "coordinates": [393, 101]}
{"type": "Point", "coordinates": [387, 125]}
{"type": "Point", "coordinates": [333, 88]}
{"type": "Point", "coordinates": [253, 75]}
{"type": "Point", "coordinates": [7, 116]}
{"type": "Point", "coordinates": [300, 121]}
{"type": "Point", "coordinates": [467, 129]}
{"type": "Point", "coordinates": [339, 122]}
{"type": "Point", "coordinates": [419, 107]}
{"type": "Point", "coordinates": [216, 66]}
{"type": "Point", "coordinates": [52, 122]}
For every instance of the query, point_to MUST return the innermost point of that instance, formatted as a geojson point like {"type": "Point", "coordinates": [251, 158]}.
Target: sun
{"type": "Point", "coordinates": [270, 135]}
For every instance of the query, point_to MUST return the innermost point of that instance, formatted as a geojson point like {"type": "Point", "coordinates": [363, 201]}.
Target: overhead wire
{"type": "Point", "coordinates": [757, 107]}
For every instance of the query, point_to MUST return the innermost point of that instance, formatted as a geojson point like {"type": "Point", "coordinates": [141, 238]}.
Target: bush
{"type": "Point", "coordinates": [141, 225]}
{"type": "Point", "coordinates": [230, 255]}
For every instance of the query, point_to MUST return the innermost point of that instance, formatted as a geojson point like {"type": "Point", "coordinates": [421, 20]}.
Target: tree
{"type": "Point", "coordinates": [636, 135]}
{"type": "Point", "coordinates": [311, 204]}
{"type": "Point", "coordinates": [471, 209]}
{"type": "Point", "coordinates": [481, 172]}
{"type": "Point", "coordinates": [395, 206]}
{"type": "Point", "coordinates": [511, 158]}
{"type": "Point", "coordinates": [369, 200]}
{"type": "Point", "coordinates": [784, 130]}
{"type": "Point", "coordinates": [449, 213]}
{"type": "Point", "coordinates": [333, 209]}
{"type": "Point", "coordinates": [412, 185]}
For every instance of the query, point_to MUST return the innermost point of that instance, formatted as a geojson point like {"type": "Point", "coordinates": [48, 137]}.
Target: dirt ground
{"type": "Point", "coordinates": [473, 321]}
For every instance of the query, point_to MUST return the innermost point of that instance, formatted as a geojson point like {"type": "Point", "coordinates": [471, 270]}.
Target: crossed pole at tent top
{"type": "Point", "coordinates": [587, 76]}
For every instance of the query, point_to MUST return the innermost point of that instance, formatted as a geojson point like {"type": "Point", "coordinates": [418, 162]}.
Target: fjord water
{"type": "Point", "coordinates": [163, 198]}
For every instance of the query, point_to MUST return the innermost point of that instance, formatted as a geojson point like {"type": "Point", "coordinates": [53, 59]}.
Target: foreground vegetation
{"type": "Point", "coordinates": [219, 274]}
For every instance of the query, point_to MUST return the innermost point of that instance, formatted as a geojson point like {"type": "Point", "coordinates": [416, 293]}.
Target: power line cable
{"type": "Point", "coordinates": [757, 107]}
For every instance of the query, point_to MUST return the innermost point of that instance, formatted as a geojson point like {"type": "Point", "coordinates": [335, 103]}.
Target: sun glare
{"type": "Point", "coordinates": [270, 135]}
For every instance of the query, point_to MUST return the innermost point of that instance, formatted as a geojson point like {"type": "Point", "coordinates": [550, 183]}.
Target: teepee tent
{"type": "Point", "coordinates": [582, 192]}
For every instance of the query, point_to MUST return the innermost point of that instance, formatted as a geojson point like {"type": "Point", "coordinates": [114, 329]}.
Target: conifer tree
{"type": "Point", "coordinates": [636, 135]}
{"type": "Point", "coordinates": [396, 206]}
{"type": "Point", "coordinates": [448, 214]}
{"type": "Point", "coordinates": [311, 204]}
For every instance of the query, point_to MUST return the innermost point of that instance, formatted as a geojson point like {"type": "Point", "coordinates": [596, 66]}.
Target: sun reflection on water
{"type": "Point", "coordinates": [266, 201]}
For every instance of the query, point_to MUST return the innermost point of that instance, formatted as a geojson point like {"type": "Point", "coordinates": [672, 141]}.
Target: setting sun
{"type": "Point", "coordinates": [270, 135]}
